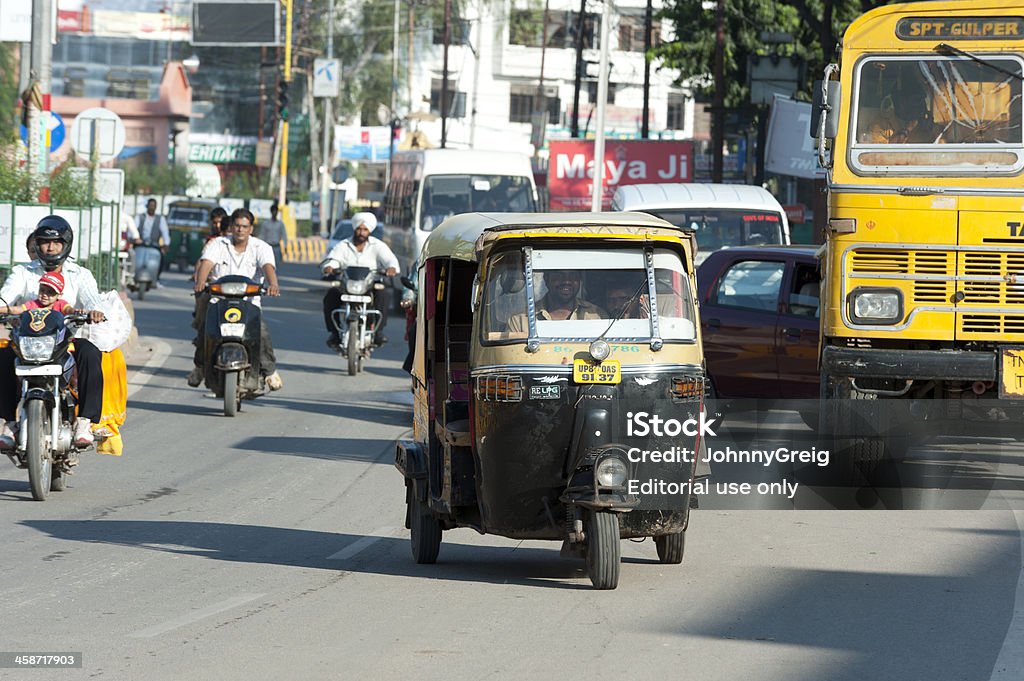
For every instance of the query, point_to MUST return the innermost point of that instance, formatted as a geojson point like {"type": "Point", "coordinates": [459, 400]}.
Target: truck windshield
{"type": "Point", "coordinates": [938, 112]}
{"type": "Point", "coordinates": [578, 293]}
{"type": "Point", "coordinates": [447, 195]}
{"type": "Point", "coordinates": [722, 228]}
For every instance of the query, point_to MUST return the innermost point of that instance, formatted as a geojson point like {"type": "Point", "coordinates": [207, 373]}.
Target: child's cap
{"type": "Point", "coordinates": [54, 280]}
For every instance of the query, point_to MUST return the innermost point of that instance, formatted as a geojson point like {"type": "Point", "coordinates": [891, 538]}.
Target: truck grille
{"type": "Point", "coordinates": [987, 279]}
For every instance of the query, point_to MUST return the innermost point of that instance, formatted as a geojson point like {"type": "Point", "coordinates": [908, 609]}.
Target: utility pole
{"type": "Point", "coordinates": [38, 102]}
{"type": "Point", "coordinates": [575, 122]}
{"type": "Point", "coordinates": [282, 195]}
{"type": "Point", "coordinates": [645, 125]}
{"type": "Point", "coordinates": [444, 80]}
{"type": "Point", "coordinates": [602, 102]}
{"type": "Point", "coordinates": [394, 94]}
{"type": "Point", "coordinates": [326, 221]}
{"type": "Point", "coordinates": [718, 102]}
{"type": "Point", "coordinates": [542, 101]}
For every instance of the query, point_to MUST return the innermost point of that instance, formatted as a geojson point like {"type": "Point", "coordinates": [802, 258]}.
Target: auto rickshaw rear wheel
{"type": "Point", "coordinates": [670, 547]}
{"type": "Point", "coordinates": [603, 549]}
{"type": "Point", "coordinates": [425, 530]}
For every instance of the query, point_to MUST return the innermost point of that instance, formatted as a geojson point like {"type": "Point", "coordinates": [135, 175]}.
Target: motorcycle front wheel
{"type": "Point", "coordinates": [353, 347]}
{"type": "Point", "coordinates": [37, 453]}
{"type": "Point", "coordinates": [231, 393]}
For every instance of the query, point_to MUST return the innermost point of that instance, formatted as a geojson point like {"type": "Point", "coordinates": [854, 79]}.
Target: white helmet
{"type": "Point", "coordinates": [368, 219]}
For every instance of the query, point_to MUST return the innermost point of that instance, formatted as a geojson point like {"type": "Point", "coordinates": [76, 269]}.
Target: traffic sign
{"type": "Point", "coordinates": [102, 124]}
{"type": "Point", "coordinates": [326, 73]}
{"type": "Point", "coordinates": [57, 132]}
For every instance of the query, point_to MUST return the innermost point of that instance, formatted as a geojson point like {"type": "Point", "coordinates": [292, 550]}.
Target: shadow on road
{"type": "Point", "coordinates": [292, 547]}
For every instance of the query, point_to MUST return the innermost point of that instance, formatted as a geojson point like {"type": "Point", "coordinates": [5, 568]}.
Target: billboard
{"type": "Point", "coordinates": [571, 168]}
{"type": "Point", "coordinates": [236, 24]}
{"type": "Point", "coordinates": [789, 150]}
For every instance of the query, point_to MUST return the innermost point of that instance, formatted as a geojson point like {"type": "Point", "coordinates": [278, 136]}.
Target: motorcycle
{"type": "Point", "coordinates": [45, 444]}
{"type": "Point", "coordinates": [355, 320]}
{"type": "Point", "coordinates": [145, 268]}
{"type": "Point", "coordinates": [231, 343]}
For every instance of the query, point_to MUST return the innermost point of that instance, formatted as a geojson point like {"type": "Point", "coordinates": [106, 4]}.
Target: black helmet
{"type": "Point", "coordinates": [53, 228]}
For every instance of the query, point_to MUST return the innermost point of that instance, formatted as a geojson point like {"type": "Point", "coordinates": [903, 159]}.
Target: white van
{"type": "Point", "coordinates": [429, 185]}
{"type": "Point", "coordinates": [720, 215]}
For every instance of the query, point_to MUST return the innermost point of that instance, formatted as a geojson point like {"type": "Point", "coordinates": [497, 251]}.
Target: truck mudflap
{"type": "Point", "coordinates": [411, 460]}
{"type": "Point", "coordinates": [951, 365]}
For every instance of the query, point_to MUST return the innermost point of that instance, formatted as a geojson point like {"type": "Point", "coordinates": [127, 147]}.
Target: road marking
{"type": "Point", "coordinates": [363, 543]}
{"type": "Point", "coordinates": [141, 377]}
{"type": "Point", "coordinates": [195, 616]}
{"type": "Point", "coordinates": [1011, 655]}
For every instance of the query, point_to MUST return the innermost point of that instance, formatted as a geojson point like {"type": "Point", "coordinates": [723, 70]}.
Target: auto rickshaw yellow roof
{"type": "Point", "coordinates": [461, 236]}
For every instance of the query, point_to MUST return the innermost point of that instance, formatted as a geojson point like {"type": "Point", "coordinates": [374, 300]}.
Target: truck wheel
{"type": "Point", "coordinates": [603, 550]}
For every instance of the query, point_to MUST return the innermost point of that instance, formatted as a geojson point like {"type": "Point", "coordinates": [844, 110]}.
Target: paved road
{"type": "Point", "coordinates": [271, 546]}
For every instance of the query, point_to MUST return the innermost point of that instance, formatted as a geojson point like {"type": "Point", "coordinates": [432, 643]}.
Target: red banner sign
{"type": "Point", "coordinates": [571, 168]}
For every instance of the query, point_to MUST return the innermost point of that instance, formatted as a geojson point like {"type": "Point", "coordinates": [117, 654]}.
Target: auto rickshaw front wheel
{"type": "Point", "coordinates": [425, 530]}
{"type": "Point", "coordinates": [603, 550]}
{"type": "Point", "coordinates": [670, 547]}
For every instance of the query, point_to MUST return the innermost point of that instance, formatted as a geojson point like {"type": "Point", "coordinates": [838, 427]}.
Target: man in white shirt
{"type": "Point", "coordinates": [250, 257]}
{"type": "Point", "coordinates": [53, 239]}
{"type": "Point", "coordinates": [362, 250]}
{"type": "Point", "coordinates": [153, 231]}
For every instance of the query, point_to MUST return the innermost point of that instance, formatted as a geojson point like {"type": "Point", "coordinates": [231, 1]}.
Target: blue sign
{"type": "Point", "coordinates": [56, 133]}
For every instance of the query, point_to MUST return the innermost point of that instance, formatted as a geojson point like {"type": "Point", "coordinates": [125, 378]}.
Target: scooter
{"type": "Point", "coordinates": [45, 444]}
{"type": "Point", "coordinates": [146, 267]}
{"type": "Point", "coordinates": [231, 344]}
{"type": "Point", "coordinates": [355, 320]}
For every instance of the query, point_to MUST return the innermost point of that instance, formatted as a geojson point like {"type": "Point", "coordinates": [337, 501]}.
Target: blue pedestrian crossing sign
{"type": "Point", "coordinates": [326, 74]}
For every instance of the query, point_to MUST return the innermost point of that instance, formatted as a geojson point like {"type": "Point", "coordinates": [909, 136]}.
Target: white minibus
{"type": "Point", "coordinates": [719, 215]}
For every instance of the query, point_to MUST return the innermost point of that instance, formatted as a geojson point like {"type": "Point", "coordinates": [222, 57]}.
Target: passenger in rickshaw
{"type": "Point", "coordinates": [561, 302]}
{"type": "Point", "coordinates": [622, 300]}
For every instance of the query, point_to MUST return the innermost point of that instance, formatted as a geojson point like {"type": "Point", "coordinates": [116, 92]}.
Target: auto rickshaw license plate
{"type": "Point", "coordinates": [608, 371]}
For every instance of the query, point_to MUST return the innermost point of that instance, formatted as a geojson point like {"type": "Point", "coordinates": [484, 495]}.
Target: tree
{"type": "Point", "coordinates": [816, 26]}
{"type": "Point", "coordinates": [8, 92]}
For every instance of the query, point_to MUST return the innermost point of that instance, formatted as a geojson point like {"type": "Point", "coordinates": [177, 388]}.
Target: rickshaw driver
{"type": "Point", "coordinates": [562, 301]}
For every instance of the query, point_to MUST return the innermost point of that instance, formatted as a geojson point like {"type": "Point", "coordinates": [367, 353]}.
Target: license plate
{"type": "Point", "coordinates": [1011, 373]}
{"type": "Point", "coordinates": [350, 298]}
{"type": "Point", "coordinates": [232, 330]}
{"type": "Point", "coordinates": [608, 371]}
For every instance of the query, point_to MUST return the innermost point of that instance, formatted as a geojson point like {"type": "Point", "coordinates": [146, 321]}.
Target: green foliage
{"type": "Point", "coordinates": [16, 184]}
{"type": "Point", "coordinates": [67, 189]}
{"type": "Point", "coordinates": [816, 26]}
{"type": "Point", "coordinates": [8, 93]}
{"type": "Point", "coordinates": [244, 186]}
{"type": "Point", "coordinates": [157, 179]}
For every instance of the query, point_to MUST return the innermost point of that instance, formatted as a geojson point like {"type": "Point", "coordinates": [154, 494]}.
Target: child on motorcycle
{"type": "Point", "coordinates": [51, 286]}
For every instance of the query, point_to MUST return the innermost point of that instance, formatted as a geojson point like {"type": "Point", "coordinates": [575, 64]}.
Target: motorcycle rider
{"type": "Point", "coordinates": [248, 256]}
{"type": "Point", "coordinates": [53, 238]}
{"type": "Point", "coordinates": [362, 250]}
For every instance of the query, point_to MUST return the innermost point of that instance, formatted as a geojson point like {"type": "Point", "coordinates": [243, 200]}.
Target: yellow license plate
{"type": "Point", "coordinates": [1011, 373]}
{"type": "Point", "coordinates": [608, 371]}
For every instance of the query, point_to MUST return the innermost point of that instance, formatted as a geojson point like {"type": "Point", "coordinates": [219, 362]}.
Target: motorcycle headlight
{"type": "Point", "coordinates": [876, 306]}
{"type": "Point", "coordinates": [36, 348]}
{"type": "Point", "coordinates": [356, 287]}
{"type": "Point", "coordinates": [611, 471]}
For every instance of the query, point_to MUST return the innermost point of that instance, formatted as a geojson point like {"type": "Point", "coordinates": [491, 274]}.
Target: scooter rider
{"type": "Point", "coordinates": [362, 250]}
{"type": "Point", "coordinates": [53, 238]}
{"type": "Point", "coordinates": [248, 256]}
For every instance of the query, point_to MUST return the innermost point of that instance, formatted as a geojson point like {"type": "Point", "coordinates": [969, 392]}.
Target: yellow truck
{"type": "Point", "coordinates": [920, 128]}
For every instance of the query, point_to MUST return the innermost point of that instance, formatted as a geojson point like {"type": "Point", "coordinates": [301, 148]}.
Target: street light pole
{"type": "Point", "coordinates": [325, 172]}
{"type": "Point", "coordinates": [39, 102]}
{"type": "Point", "coordinates": [282, 195]}
{"type": "Point", "coordinates": [602, 99]}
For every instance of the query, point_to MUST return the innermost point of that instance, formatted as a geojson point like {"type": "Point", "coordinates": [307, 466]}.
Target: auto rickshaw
{"type": "Point", "coordinates": [541, 390]}
{"type": "Point", "coordinates": [189, 224]}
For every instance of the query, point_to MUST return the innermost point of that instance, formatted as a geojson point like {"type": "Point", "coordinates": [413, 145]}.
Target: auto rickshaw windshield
{"type": "Point", "coordinates": [585, 294]}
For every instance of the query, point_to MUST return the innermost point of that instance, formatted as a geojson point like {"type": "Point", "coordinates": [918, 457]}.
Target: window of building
{"type": "Point", "coordinates": [631, 33]}
{"type": "Point", "coordinates": [456, 99]}
{"type": "Point", "coordinates": [526, 27]}
{"type": "Point", "coordinates": [676, 113]}
{"type": "Point", "coordinates": [523, 102]}
{"type": "Point", "coordinates": [592, 91]}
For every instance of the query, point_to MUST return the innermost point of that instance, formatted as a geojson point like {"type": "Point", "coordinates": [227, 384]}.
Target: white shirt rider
{"type": "Point", "coordinates": [362, 250]}
{"type": "Point", "coordinates": [221, 257]}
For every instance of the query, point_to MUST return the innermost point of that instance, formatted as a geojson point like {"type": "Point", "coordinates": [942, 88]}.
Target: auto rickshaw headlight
{"type": "Point", "coordinates": [600, 350]}
{"type": "Point", "coordinates": [611, 471]}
